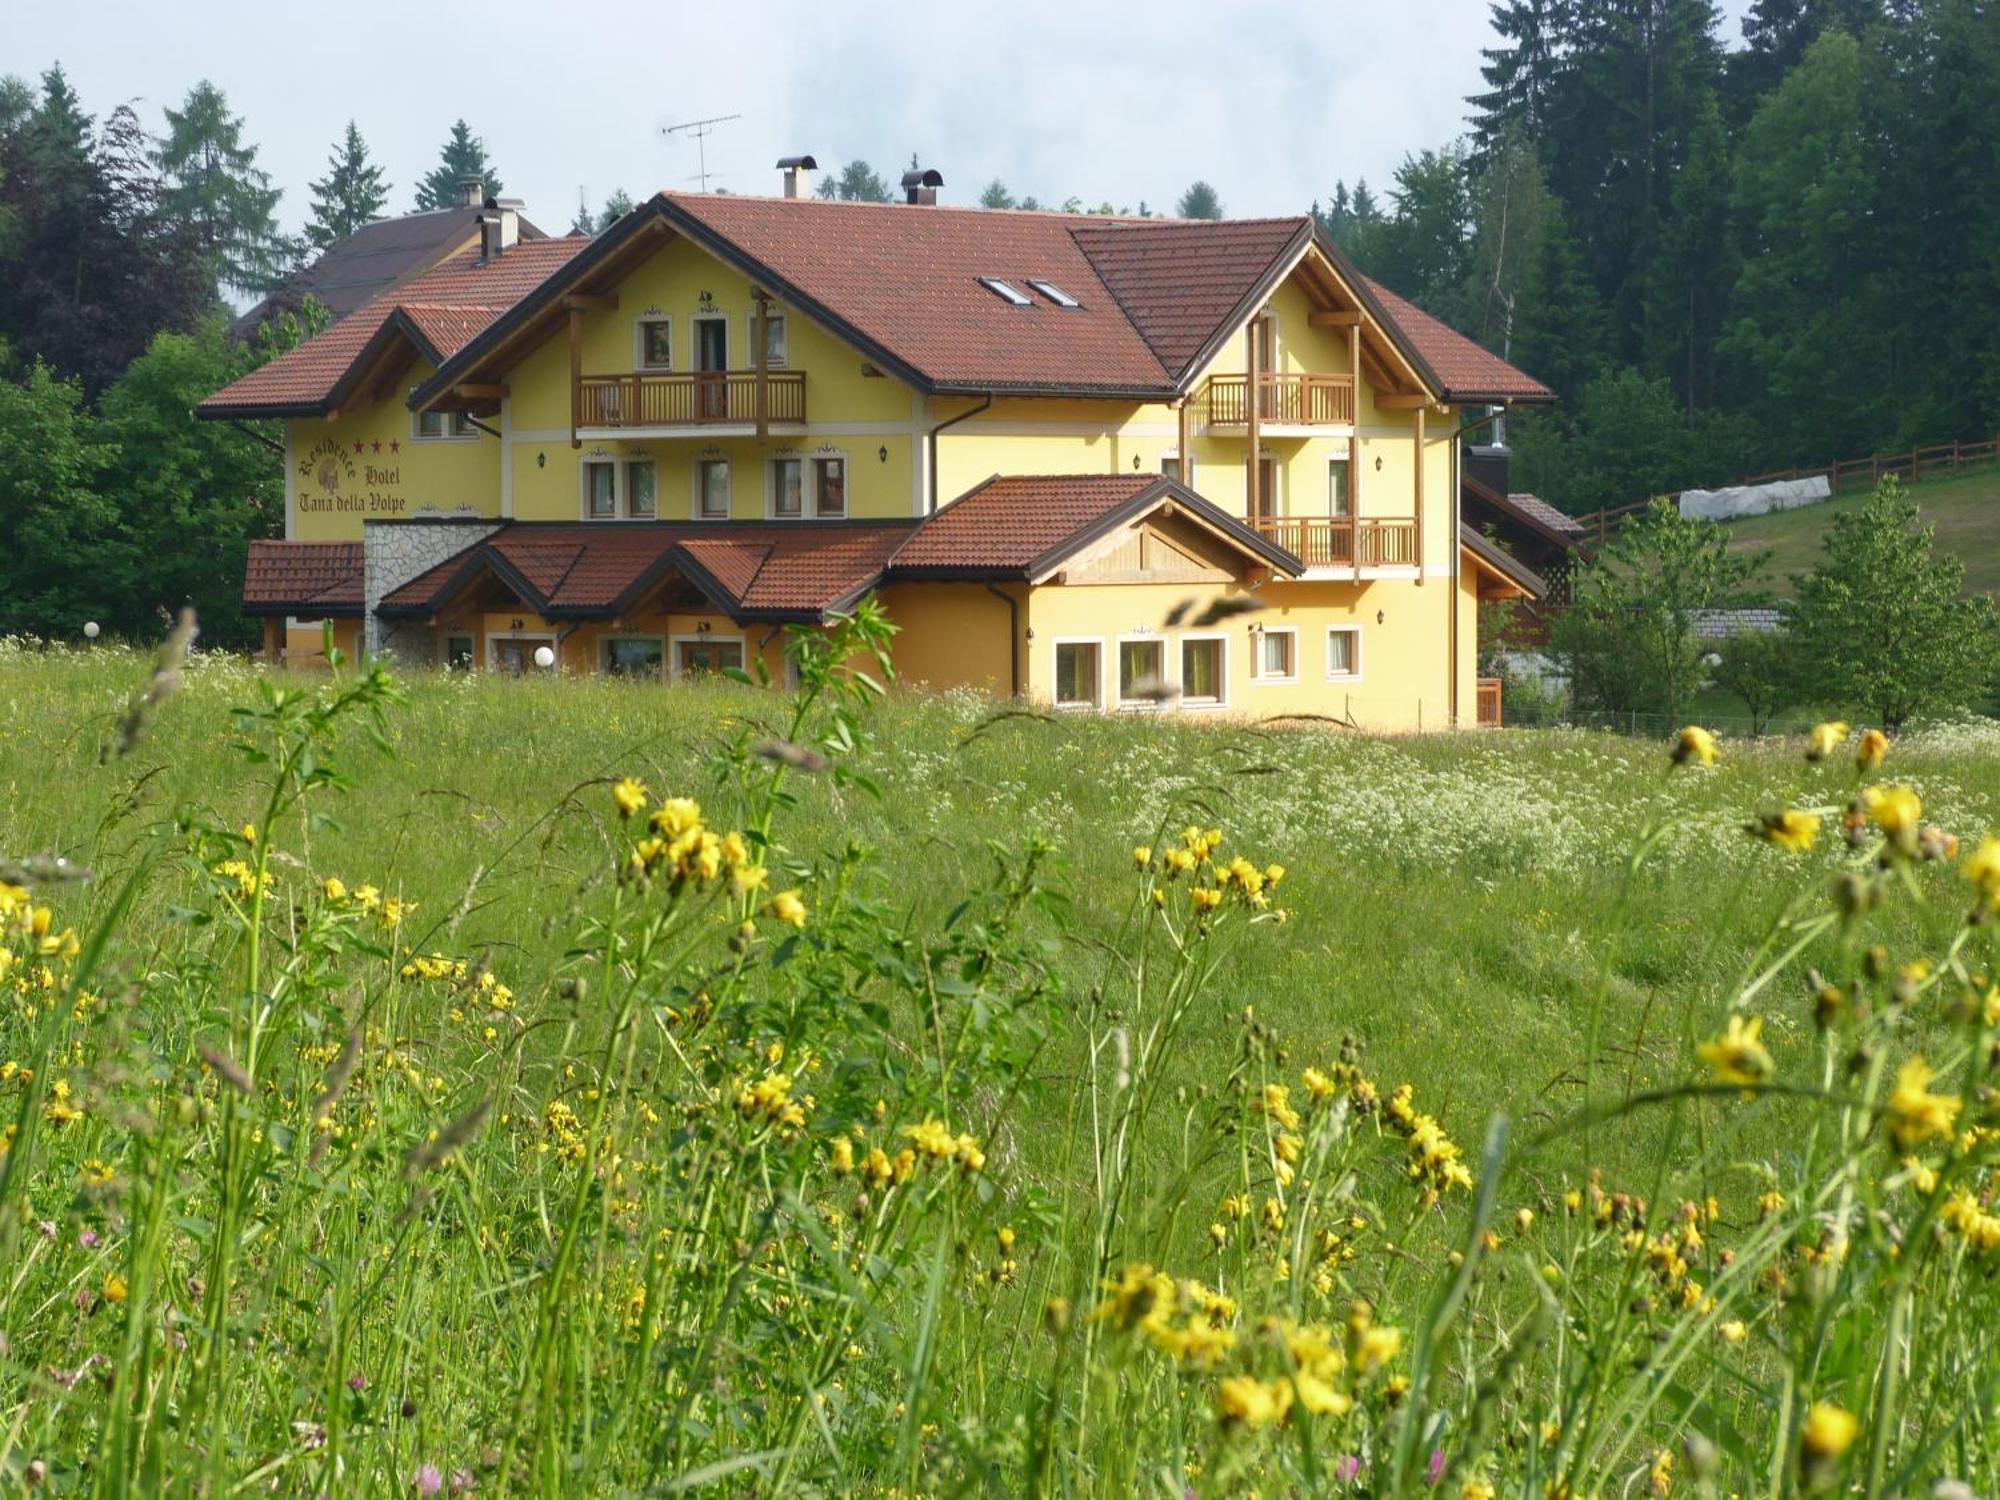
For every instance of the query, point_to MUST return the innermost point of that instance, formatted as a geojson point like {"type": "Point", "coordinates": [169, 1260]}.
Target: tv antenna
{"type": "Point", "coordinates": [700, 130]}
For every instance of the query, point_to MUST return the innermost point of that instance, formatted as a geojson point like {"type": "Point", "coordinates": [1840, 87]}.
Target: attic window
{"type": "Point", "coordinates": [1005, 291]}
{"type": "Point", "coordinates": [1054, 293]}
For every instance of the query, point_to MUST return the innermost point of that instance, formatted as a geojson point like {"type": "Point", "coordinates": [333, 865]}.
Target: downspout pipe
{"type": "Point", "coordinates": [257, 437]}
{"type": "Point", "coordinates": [932, 438]}
{"type": "Point", "coordinates": [1013, 633]}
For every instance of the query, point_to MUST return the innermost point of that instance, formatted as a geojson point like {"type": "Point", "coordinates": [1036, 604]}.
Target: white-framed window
{"type": "Point", "coordinates": [1204, 677]}
{"type": "Point", "coordinates": [1079, 672]}
{"type": "Point", "coordinates": [711, 489]}
{"type": "Point", "coordinates": [777, 342]}
{"type": "Point", "coordinates": [639, 656]}
{"type": "Point", "coordinates": [511, 653]}
{"type": "Point", "coordinates": [1170, 465]}
{"type": "Point", "coordinates": [1339, 471]}
{"type": "Point", "coordinates": [1343, 652]}
{"type": "Point", "coordinates": [443, 427]}
{"type": "Point", "coordinates": [1277, 653]}
{"type": "Point", "coordinates": [460, 651]}
{"type": "Point", "coordinates": [653, 343]}
{"type": "Point", "coordinates": [1142, 671]}
{"type": "Point", "coordinates": [600, 489]}
{"type": "Point", "coordinates": [642, 489]}
{"type": "Point", "coordinates": [697, 656]}
{"type": "Point", "coordinates": [788, 488]}
{"type": "Point", "coordinates": [829, 479]}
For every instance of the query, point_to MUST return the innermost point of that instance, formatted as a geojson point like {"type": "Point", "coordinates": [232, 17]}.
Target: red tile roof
{"type": "Point", "coordinates": [448, 305]}
{"type": "Point", "coordinates": [1006, 524]}
{"type": "Point", "coordinates": [1179, 281]}
{"type": "Point", "coordinates": [1465, 370]}
{"type": "Point", "coordinates": [304, 578]}
{"type": "Point", "coordinates": [907, 282]}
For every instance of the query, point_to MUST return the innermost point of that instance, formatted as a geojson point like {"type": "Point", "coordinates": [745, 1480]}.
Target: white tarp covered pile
{"type": "Point", "coordinates": [1754, 499]}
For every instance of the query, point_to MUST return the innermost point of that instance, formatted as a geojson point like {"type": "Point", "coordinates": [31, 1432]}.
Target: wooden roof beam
{"type": "Point", "coordinates": [1345, 318]}
{"type": "Point", "coordinates": [591, 302]}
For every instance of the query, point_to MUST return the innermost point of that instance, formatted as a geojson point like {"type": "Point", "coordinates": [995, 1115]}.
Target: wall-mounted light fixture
{"type": "Point", "coordinates": [1378, 463]}
{"type": "Point", "coordinates": [1380, 616]}
{"type": "Point", "coordinates": [883, 453]}
{"type": "Point", "coordinates": [541, 460]}
{"type": "Point", "coordinates": [701, 627]}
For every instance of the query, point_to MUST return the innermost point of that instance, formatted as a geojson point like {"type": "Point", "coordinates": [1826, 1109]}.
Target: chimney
{"type": "Point", "coordinates": [1489, 463]}
{"type": "Point", "coordinates": [499, 227]}
{"type": "Point", "coordinates": [920, 185]}
{"type": "Point", "coordinates": [798, 172]}
{"type": "Point", "coordinates": [471, 192]}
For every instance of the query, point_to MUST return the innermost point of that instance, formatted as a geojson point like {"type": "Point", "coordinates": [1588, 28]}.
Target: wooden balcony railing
{"type": "Point", "coordinates": [1343, 541]}
{"type": "Point", "coordinates": [1297, 400]}
{"type": "Point", "coordinates": [1489, 702]}
{"type": "Point", "coordinates": [694, 398]}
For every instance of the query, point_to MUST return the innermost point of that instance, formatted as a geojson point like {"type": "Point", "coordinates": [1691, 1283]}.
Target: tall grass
{"type": "Point", "coordinates": [563, 1088]}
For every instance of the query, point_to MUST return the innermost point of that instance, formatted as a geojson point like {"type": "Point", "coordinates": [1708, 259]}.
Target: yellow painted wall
{"type": "Point", "coordinates": [370, 465]}
{"type": "Point", "coordinates": [952, 635]}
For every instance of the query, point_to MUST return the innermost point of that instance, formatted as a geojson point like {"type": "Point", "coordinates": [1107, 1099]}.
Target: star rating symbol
{"type": "Point", "coordinates": [359, 446]}
{"type": "Point", "coordinates": [378, 445]}
{"type": "Point", "coordinates": [394, 446]}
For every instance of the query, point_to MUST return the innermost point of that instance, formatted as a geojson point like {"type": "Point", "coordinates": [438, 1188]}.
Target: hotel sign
{"type": "Point", "coordinates": [357, 478]}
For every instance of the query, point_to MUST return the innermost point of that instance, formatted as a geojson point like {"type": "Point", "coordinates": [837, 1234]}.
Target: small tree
{"type": "Point", "coordinates": [857, 182]}
{"type": "Point", "coordinates": [996, 195]}
{"type": "Point", "coordinates": [215, 193]}
{"type": "Point", "coordinates": [1627, 639]}
{"type": "Point", "coordinates": [1200, 201]}
{"type": "Point", "coordinates": [1885, 622]}
{"type": "Point", "coordinates": [1762, 668]}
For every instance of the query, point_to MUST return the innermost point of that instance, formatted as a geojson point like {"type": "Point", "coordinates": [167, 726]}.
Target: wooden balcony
{"type": "Point", "coordinates": [693, 399]}
{"type": "Point", "coordinates": [1282, 400]}
{"type": "Point", "coordinates": [1343, 541]}
{"type": "Point", "coordinates": [1489, 702]}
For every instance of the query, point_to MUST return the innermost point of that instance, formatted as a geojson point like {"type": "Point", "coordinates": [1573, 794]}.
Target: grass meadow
{"type": "Point", "coordinates": [419, 1097]}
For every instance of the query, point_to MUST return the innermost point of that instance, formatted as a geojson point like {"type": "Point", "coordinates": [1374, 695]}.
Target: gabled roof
{"type": "Point", "coordinates": [437, 313]}
{"type": "Point", "coordinates": [1015, 528]}
{"type": "Point", "coordinates": [354, 271]}
{"type": "Point", "coordinates": [902, 285]}
{"type": "Point", "coordinates": [1502, 564]}
{"type": "Point", "coordinates": [1529, 511]}
{"type": "Point", "coordinates": [770, 570]}
{"type": "Point", "coordinates": [303, 578]}
{"type": "Point", "coordinates": [1023, 526]}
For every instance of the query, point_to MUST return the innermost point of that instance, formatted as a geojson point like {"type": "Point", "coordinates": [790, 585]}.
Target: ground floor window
{"type": "Point", "coordinates": [1142, 670]}
{"type": "Point", "coordinates": [632, 655]}
{"type": "Point", "coordinates": [788, 488]}
{"type": "Point", "coordinates": [458, 652]}
{"type": "Point", "coordinates": [1202, 665]}
{"type": "Point", "coordinates": [514, 655]}
{"type": "Point", "coordinates": [600, 490]}
{"type": "Point", "coordinates": [1343, 651]}
{"type": "Point", "coordinates": [1277, 654]}
{"type": "Point", "coordinates": [707, 655]}
{"type": "Point", "coordinates": [1079, 681]}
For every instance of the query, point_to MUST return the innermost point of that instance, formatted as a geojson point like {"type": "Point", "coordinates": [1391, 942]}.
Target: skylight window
{"type": "Point", "coordinates": [1054, 293]}
{"type": "Point", "coordinates": [1006, 292]}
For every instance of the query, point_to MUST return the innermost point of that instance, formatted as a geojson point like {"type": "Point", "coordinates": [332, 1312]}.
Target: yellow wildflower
{"type": "Point", "coordinates": [1825, 739]}
{"type": "Point", "coordinates": [1793, 830]}
{"type": "Point", "coordinates": [1916, 1114]}
{"type": "Point", "coordinates": [1982, 868]}
{"type": "Point", "coordinates": [1142, 856]}
{"type": "Point", "coordinates": [1737, 1056]}
{"type": "Point", "coordinates": [334, 890]}
{"type": "Point", "coordinates": [676, 817]}
{"type": "Point", "coordinates": [1246, 1401]}
{"type": "Point", "coordinates": [630, 794]}
{"type": "Point", "coordinates": [1828, 1430]}
{"type": "Point", "coordinates": [786, 906]}
{"type": "Point", "coordinates": [1735, 1331]}
{"type": "Point", "coordinates": [1896, 810]}
{"type": "Point", "coordinates": [114, 1287]}
{"type": "Point", "coordinates": [1870, 752]}
{"type": "Point", "coordinates": [841, 1155]}
{"type": "Point", "coordinates": [1695, 743]}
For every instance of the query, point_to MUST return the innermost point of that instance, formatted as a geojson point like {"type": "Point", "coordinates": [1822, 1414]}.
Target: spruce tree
{"type": "Point", "coordinates": [1524, 74]}
{"type": "Point", "coordinates": [463, 156]}
{"type": "Point", "coordinates": [351, 194]}
{"type": "Point", "coordinates": [215, 194]}
{"type": "Point", "coordinates": [1200, 201]}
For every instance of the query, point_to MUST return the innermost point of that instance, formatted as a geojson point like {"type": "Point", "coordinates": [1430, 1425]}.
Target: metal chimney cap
{"type": "Point", "coordinates": [929, 177]}
{"type": "Point", "coordinates": [792, 163]}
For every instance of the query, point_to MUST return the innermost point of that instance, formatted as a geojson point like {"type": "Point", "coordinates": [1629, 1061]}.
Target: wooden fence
{"type": "Point", "coordinates": [1842, 476]}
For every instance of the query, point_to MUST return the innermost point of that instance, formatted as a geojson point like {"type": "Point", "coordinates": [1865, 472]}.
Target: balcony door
{"type": "Point", "coordinates": [1264, 491]}
{"type": "Point", "coordinates": [1265, 331]}
{"type": "Point", "coordinates": [711, 362]}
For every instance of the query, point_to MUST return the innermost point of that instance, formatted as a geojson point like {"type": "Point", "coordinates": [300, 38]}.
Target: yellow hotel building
{"type": "Point", "coordinates": [1048, 444]}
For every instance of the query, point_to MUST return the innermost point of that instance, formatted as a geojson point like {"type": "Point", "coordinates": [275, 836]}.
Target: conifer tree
{"type": "Point", "coordinates": [215, 193]}
{"type": "Point", "coordinates": [351, 194]}
{"type": "Point", "coordinates": [463, 156]}
{"type": "Point", "coordinates": [1200, 201]}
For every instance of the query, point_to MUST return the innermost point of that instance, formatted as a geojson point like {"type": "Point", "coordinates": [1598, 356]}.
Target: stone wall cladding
{"type": "Point", "coordinates": [394, 552]}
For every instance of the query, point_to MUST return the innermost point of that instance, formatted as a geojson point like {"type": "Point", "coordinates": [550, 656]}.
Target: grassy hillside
{"type": "Point", "coordinates": [588, 1205]}
{"type": "Point", "coordinates": [1965, 508]}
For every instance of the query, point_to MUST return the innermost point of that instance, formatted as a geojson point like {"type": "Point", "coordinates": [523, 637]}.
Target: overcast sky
{"type": "Point", "coordinates": [1271, 102]}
